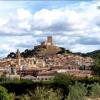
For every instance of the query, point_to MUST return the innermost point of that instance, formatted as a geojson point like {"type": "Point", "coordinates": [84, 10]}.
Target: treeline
{"type": "Point", "coordinates": [62, 87]}
{"type": "Point", "coordinates": [25, 54]}
{"type": "Point", "coordinates": [95, 54]}
{"type": "Point", "coordinates": [33, 52]}
{"type": "Point", "coordinates": [30, 53]}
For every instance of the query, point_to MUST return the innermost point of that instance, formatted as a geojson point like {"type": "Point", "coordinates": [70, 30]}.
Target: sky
{"type": "Point", "coordinates": [73, 24]}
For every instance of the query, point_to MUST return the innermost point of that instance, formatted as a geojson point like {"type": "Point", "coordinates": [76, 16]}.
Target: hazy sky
{"type": "Point", "coordinates": [74, 25]}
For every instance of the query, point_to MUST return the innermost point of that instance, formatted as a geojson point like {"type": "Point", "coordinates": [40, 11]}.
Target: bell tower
{"type": "Point", "coordinates": [18, 58]}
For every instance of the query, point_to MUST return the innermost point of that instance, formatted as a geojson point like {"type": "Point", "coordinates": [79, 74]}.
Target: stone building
{"type": "Point", "coordinates": [47, 48]}
{"type": "Point", "coordinates": [47, 57]}
{"type": "Point", "coordinates": [49, 41]}
{"type": "Point", "coordinates": [28, 63]}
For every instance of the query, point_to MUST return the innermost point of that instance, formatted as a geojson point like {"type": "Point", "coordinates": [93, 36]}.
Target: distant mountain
{"type": "Point", "coordinates": [94, 54]}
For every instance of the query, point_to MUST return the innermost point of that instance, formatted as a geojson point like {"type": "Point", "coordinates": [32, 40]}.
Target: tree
{"type": "Point", "coordinates": [96, 66]}
{"type": "Point", "coordinates": [63, 79]}
{"type": "Point", "coordinates": [46, 94]}
{"type": "Point", "coordinates": [77, 92]}
{"type": "Point", "coordinates": [95, 90]}
{"type": "Point", "coordinates": [11, 55]}
{"type": "Point", "coordinates": [64, 51]}
{"type": "Point", "coordinates": [4, 94]}
{"type": "Point", "coordinates": [11, 96]}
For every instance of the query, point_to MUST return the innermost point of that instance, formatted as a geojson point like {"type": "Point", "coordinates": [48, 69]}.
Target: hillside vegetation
{"type": "Point", "coordinates": [38, 51]}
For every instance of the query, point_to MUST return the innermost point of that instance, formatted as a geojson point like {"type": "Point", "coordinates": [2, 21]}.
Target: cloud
{"type": "Point", "coordinates": [89, 41]}
{"type": "Point", "coordinates": [75, 26]}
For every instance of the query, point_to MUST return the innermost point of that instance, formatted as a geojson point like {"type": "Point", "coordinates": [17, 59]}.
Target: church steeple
{"type": "Point", "coordinates": [18, 58]}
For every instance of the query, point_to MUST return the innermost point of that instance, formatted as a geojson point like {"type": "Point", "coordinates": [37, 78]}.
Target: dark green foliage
{"type": "Point", "coordinates": [11, 55]}
{"type": "Point", "coordinates": [33, 52]}
{"type": "Point", "coordinates": [95, 90]}
{"type": "Point", "coordinates": [42, 93]}
{"type": "Point", "coordinates": [90, 80]}
{"type": "Point", "coordinates": [4, 94]}
{"type": "Point", "coordinates": [77, 92]}
{"type": "Point", "coordinates": [25, 54]}
{"type": "Point", "coordinates": [95, 54]}
{"type": "Point", "coordinates": [96, 66]}
{"type": "Point", "coordinates": [28, 53]}
{"type": "Point", "coordinates": [18, 87]}
{"type": "Point", "coordinates": [63, 79]}
{"type": "Point", "coordinates": [61, 82]}
{"type": "Point", "coordinates": [63, 51]}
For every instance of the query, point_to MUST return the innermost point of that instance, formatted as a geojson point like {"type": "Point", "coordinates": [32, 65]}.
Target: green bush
{"type": "Point", "coordinates": [96, 66]}
{"type": "Point", "coordinates": [89, 80]}
{"type": "Point", "coordinates": [95, 90]}
{"type": "Point", "coordinates": [12, 96]}
{"type": "Point", "coordinates": [63, 79]}
{"type": "Point", "coordinates": [77, 92]}
{"type": "Point", "coordinates": [4, 94]}
{"type": "Point", "coordinates": [42, 93]}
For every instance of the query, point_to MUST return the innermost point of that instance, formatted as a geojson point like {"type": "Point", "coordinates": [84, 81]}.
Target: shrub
{"type": "Point", "coordinates": [95, 90]}
{"type": "Point", "coordinates": [63, 79]}
{"type": "Point", "coordinates": [77, 92]}
{"type": "Point", "coordinates": [45, 94]}
{"type": "Point", "coordinates": [11, 96]}
{"type": "Point", "coordinates": [4, 94]}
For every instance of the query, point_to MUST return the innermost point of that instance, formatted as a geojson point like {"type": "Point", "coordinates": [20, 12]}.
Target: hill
{"type": "Point", "coordinates": [40, 50]}
{"type": "Point", "coordinates": [94, 54]}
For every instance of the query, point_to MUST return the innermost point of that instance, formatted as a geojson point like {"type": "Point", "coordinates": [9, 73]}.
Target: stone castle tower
{"type": "Point", "coordinates": [47, 48]}
{"type": "Point", "coordinates": [49, 40]}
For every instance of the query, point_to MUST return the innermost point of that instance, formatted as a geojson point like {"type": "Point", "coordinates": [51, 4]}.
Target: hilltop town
{"type": "Point", "coordinates": [46, 63]}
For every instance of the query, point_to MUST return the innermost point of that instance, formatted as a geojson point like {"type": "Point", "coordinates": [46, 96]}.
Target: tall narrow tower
{"type": "Point", "coordinates": [18, 58]}
{"type": "Point", "coordinates": [49, 40]}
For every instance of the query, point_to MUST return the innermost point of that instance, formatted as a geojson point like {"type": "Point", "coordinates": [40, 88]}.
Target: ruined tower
{"type": "Point", "coordinates": [47, 48]}
{"type": "Point", "coordinates": [49, 40]}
